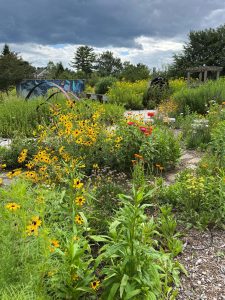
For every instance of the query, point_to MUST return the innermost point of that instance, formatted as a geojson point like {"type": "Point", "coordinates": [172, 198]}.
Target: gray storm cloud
{"type": "Point", "coordinates": [102, 23]}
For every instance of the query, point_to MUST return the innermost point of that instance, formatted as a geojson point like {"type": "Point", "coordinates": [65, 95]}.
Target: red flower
{"type": "Point", "coordinates": [130, 123]}
{"type": "Point", "coordinates": [151, 114]}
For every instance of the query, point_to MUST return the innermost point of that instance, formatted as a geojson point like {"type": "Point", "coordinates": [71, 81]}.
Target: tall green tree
{"type": "Point", "coordinates": [13, 69]}
{"type": "Point", "coordinates": [204, 47]}
{"type": "Point", "coordinates": [108, 65]}
{"type": "Point", "coordinates": [84, 60]}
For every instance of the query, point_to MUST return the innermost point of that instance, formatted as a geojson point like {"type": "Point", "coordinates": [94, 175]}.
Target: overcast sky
{"type": "Point", "coordinates": [147, 31]}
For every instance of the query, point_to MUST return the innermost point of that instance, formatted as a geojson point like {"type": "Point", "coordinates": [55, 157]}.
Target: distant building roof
{"type": "Point", "coordinates": [41, 73]}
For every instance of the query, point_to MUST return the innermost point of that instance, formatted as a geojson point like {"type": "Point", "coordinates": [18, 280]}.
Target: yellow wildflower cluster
{"type": "Point", "coordinates": [22, 156]}
{"type": "Point", "coordinates": [34, 224]}
{"type": "Point", "coordinates": [177, 84]}
{"type": "Point", "coordinates": [167, 108]}
{"type": "Point", "coordinates": [195, 185]}
{"type": "Point", "coordinates": [123, 92]}
{"type": "Point", "coordinates": [14, 173]}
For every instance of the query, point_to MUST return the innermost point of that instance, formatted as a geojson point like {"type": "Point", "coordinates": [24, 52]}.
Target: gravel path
{"type": "Point", "coordinates": [204, 259]}
{"type": "Point", "coordinates": [189, 159]}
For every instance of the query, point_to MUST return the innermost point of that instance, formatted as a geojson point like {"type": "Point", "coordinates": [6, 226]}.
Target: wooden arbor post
{"type": "Point", "coordinates": [203, 71]}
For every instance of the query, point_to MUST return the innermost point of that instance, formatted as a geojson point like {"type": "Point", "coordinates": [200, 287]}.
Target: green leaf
{"type": "Point", "coordinates": [123, 284]}
{"type": "Point", "coordinates": [113, 291]}
{"type": "Point", "coordinates": [100, 238]}
{"type": "Point", "coordinates": [132, 294]}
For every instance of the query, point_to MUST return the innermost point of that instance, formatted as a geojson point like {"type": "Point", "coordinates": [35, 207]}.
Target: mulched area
{"type": "Point", "coordinates": [204, 259]}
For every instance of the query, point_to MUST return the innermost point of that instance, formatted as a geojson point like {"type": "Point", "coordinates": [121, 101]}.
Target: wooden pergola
{"type": "Point", "coordinates": [203, 72]}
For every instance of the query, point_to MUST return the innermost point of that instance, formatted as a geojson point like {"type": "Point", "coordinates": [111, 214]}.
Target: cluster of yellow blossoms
{"type": "Point", "coordinates": [22, 156]}
{"type": "Point", "coordinates": [195, 185]}
{"type": "Point", "coordinates": [34, 224]}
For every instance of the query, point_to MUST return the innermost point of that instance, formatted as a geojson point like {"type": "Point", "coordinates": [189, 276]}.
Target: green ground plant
{"type": "Point", "coordinates": [217, 144]}
{"type": "Point", "coordinates": [161, 150]}
{"type": "Point", "coordinates": [19, 116]}
{"type": "Point", "coordinates": [134, 268]}
{"type": "Point", "coordinates": [195, 131]}
{"type": "Point", "coordinates": [200, 197]}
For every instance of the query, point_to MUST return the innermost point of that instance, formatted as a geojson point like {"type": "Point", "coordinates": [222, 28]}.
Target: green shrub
{"type": "Point", "coordinates": [103, 85]}
{"type": "Point", "coordinates": [196, 131]}
{"type": "Point", "coordinates": [128, 94]}
{"type": "Point", "coordinates": [110, 113]}
{"type": "Point", "coordinates": [198, 98]}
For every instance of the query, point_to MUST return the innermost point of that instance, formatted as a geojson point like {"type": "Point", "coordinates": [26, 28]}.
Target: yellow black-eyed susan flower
{"type": "Point", "coordinates": [79, 220]}
{"type": "Point", "coordinates": [95, 284]}
{"type": "Point", "coordinates": [12, 206]}
{"type": "Point", "coordinates": [80, 200]}
{"type": "Point", "coordinates": [77, 184]}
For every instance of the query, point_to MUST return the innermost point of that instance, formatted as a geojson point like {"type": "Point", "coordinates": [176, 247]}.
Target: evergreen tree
{"type": "Point", "coordinates": [84, 60]}
{"type": "Point", "coordinates": [5, 50]}
{"type": "Point", "coordinates": [59, 70]}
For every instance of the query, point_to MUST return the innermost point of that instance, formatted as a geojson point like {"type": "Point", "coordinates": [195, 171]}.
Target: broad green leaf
{"type": "Point", "coordinates": [123, 284]}
{"type": "Point", "coordinates": [100, 238]}
{"type": "Point", "coordinates": [113, 291]}
{"type": "Point", "coordinates": [132, 294]}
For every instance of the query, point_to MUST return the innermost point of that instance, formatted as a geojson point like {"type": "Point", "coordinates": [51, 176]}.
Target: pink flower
{"type": "Point", "coordinates": [143, 129]}
{"type": "Point", "coordinates": [130, 123]}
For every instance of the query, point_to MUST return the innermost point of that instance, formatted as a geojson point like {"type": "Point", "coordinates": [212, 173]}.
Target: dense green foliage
{"type": "Point", "coordinates": [108, 65]}
{"type": "Point", "coordinates": [134, 73]}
